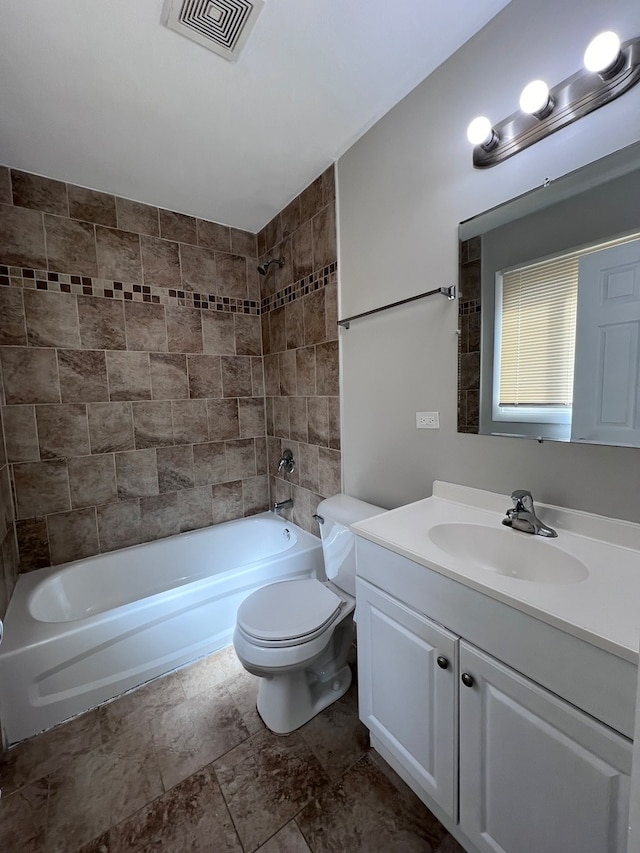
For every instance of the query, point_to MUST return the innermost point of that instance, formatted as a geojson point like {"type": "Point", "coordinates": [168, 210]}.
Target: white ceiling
{"type": "Point", "coordinates": [101, 94]}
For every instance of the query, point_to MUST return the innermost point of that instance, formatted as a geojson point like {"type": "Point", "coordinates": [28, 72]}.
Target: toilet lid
{"type": "Point", "coordinates": [288, 610]}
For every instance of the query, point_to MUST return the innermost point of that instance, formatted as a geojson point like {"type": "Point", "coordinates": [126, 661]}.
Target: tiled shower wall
{"type": "Point", "coordinates": [8, 550]}
{"type": "Point", "coordinates": [299, 336]}
{"type": "Point", "coordinates": [469, 313]}
{"type": "Point", "coordinates": [133, 383]}
{"type": "Point", "coordinates": [132, 370]}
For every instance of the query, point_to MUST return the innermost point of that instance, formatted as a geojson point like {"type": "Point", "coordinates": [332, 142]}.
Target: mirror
{"type": "Point", "coordinates": [574, 219]}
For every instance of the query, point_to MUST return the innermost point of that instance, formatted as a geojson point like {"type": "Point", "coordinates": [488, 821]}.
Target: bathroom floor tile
{"type": "Point", "coordinates": [266, 781]}
{"type": "Point", "coordinates": [244, 690]}
{"type": "Point", "coordinates": [98, 845]}
{"type": "Point", "coordinates": [209, 672]}
{"type": "Point", "coordinates": [365, 812]}
{"type": "Point", "coordinates": [185, 763]}
{"type": "Point", "coordinates": [98, 789]}
{"type": "Point", "coordinates": [40, 755]}
{"type": "Point", "coordinates": [130, 715]}
{"type": "Point", "coordinates": [195, 732]}
{"type": "Point", "coordinates": [450, 845]}
{"type": "Point", "coordinates": [23, 818]}
{"type": "Point", "coordinates": [336, 736]}
{"type": "Point", "coordinates": [190, 817]}
{"type": "Point", "coordinates": [288, 840]}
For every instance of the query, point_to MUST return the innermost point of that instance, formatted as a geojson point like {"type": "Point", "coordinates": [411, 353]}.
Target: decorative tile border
{"type": "Point", "coordinates": [469, 306]}
{"type": "Point", "coordinates": [55, 282]}
{"type": "Point", "coordinates": [85, 286]}
{"type": "Point", "coordinates": [306, 285]}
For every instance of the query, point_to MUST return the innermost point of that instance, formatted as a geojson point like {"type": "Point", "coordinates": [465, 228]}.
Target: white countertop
{"type": "Point", "coordinates": [603, 609]}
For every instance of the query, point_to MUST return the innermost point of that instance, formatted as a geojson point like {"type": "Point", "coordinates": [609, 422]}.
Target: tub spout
{"type": "Point", "coordinates": [280, 505]}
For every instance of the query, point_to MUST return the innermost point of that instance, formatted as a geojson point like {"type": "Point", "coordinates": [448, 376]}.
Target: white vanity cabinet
{"type": "Point", "coordinates": [508, 765]}
{"type": "Point", "coordinates": [536, 773]}
{"type": "Point", "coordinates": [407, 686]}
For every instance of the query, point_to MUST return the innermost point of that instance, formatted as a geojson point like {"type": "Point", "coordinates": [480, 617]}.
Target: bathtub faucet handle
{"type": "Point", "coordinates": [287, 462]}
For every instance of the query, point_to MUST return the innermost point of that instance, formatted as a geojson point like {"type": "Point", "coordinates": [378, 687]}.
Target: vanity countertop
{"type": "Point", "coordinates": [602, 609]}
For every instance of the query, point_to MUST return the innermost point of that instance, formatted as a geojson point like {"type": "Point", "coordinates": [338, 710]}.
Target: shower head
{"type": "Point", "coordinates": [263, 269]}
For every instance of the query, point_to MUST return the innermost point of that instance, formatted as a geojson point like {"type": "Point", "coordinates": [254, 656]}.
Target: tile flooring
{"type": "Point", "coordinates": [185, 764]}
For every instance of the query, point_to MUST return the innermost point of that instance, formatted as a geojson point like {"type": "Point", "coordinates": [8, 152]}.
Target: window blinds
{"type": "Point", "coordinates": [538, 329]}
{"type": "Point", "coordinates": [538, 333]}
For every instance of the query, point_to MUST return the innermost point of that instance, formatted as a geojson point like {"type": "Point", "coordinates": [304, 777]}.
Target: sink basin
{"type": "Point", "coordinates": [508, 552]}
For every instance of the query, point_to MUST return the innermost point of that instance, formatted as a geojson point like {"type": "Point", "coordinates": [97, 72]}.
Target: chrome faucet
{"type": "Point", "coordinates": [523, 516]}
{"type": "Point", "coordinates": [287, 463]}
{"type": "Point", "coordinates": [280, 505]}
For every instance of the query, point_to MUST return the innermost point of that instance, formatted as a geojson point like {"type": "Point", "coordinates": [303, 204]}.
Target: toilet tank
{"type": "Point", "coordinates": [338, 542]}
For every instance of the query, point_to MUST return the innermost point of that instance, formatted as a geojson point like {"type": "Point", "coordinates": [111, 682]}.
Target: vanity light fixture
{"type": "Point", "coordinates": [603, 55]}
{"type": "Point", "coordinates": [610, 69]}
{"type": "Point", "coordinates": [481, 133]}
{"type": "Point", "coordinates": [536, 100]}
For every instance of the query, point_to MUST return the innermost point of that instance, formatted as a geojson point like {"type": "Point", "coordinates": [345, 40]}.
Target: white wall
{"type": "Point", "coordinates": [403, 188]}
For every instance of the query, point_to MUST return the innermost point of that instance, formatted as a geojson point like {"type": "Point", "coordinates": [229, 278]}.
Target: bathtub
{"type": "Point", "coordinates": [81, 633]}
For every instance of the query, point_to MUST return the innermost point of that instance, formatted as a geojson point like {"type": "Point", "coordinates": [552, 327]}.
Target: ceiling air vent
{"type": "Point", "coordinates": [222, 26]}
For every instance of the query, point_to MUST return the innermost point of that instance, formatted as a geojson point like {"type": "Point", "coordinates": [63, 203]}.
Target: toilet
{"type": "Point", "coordinates": [297, 635]}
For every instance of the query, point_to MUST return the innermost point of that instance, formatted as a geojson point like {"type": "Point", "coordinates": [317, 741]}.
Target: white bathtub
{"type": "Point", "coordinates": [78, 634]}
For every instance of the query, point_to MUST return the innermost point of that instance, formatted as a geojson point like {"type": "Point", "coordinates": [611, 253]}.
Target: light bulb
{"type": "Point", "coordinates": [535, 99]}
{"type": "Point", "coordinates": [480, 131]}
{"type": "Point", "coordinates": [603, 53]}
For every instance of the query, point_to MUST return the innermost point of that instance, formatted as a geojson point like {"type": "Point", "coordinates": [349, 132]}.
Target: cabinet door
{"type": "Point", "coordinates": [536, 774]}
{"type": "Point", "coordinates": [407, 698]}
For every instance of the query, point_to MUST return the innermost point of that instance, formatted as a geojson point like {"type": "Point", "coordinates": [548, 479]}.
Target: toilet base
{"type": "Point", "coordinates": [289, 700]}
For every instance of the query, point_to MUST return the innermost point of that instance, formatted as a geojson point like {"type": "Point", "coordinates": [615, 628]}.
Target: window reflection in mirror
{"type": "Point", "coordinates": [536, 272]}
{"type": "Point", "coordinates": [535, 356]}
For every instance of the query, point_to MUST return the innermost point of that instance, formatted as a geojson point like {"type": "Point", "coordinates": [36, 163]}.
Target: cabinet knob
{"type": "Point", "coordinates": [467, 679]}
{"type": "Point", "coordinates": [442, 662]}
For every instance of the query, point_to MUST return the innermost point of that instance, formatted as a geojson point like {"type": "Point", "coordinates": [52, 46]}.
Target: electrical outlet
{"type": "Point", "coordinates": [427, 420]}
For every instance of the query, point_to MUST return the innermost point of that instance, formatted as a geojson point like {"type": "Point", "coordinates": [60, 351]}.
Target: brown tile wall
{"type": "Point", "coordinates": [469, 305]}
{"type": "Point", "coordinates": [133, 383]}
{"type": "Point", "coordinates": [8, 547]}
{"type": "Point", "coordinates": [300, 342]}
{"type": "Point", "coordinates": [132, 373]}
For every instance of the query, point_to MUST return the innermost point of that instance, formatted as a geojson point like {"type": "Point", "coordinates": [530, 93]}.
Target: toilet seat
{"type": "Point", "coordinates": [288, 613]}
